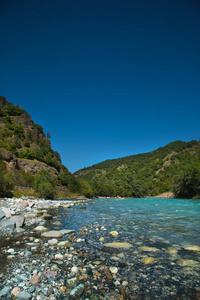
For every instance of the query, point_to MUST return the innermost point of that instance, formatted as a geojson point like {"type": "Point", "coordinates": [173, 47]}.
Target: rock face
{"type": "Point", "coordinates": [9, 158]}
{"type": "Point", "coordinates": [33, 167]}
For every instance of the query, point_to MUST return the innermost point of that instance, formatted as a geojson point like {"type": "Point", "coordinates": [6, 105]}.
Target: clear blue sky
{"type": "Point", "coordinates": [107, 78]}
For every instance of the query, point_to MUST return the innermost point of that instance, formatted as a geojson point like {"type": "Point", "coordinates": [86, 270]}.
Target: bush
{"type": "Point", "coordinates": [6, 183]}
{"type": "Point", "coordinates": [45, 185]}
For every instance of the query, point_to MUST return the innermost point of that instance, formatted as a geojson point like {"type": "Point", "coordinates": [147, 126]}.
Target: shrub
{"type": "Point", "coordinates": [45, 185]}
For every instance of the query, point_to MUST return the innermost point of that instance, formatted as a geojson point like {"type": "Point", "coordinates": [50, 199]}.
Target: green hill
{"type": "Point", "coordinates": [27, 159]}
{"type": "Point", "coordinates": [148, 174]}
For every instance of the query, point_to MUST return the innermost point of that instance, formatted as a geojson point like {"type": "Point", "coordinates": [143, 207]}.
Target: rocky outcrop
{"type": "Point", "coordinates": [34, 166]}
{"type": "Point", "coordinates": [9, 158]}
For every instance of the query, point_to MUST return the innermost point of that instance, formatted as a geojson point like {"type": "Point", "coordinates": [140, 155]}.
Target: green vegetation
{"type": "Point", "coordinates": [187, 183]}
{"type": "Point", "coordinates": [44, 185]}
{"type": "Point", "coordinates": [6, 181]}
{"type": "Point", "coordinates": [148, 174]}
{"type": "Point", "coordinates": [26, 140]}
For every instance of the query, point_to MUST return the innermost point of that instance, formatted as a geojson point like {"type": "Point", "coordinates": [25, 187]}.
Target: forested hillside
{"type": "Point", "coordinates": [27, 159]}
{"type": "Point", "coordinates": [175, 167]}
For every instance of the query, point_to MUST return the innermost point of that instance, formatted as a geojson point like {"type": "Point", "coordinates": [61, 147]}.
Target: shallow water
{"type": "Point", "coordinates": [175, 221]}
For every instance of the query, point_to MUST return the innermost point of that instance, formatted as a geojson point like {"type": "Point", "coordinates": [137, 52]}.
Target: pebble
{"type": "Point", "coordinates": [53, 242]}
{"type": "Point", "coordinates": [77, 291]}
{"type": "Point", "coordinates": [15, 292]}
{"type": "Point", "coordinates": [114, 233]}
{"type": "Point", "coordinates": [35, 279]}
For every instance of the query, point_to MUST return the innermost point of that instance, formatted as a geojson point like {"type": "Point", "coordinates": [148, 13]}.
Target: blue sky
{"type": "Point", "coordinates": [107, 78]}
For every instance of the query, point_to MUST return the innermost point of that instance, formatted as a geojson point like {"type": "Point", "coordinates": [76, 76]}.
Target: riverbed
{"type": "Point", "coordinates": [116, 249]}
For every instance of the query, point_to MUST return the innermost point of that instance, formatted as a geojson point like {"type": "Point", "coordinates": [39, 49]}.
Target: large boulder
{"type": "Point", "coordinates": [19, 220]}
{"type": "Point", "coordinates": [6, 211]}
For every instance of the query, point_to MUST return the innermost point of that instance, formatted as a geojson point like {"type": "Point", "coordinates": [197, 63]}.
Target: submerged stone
{"type": "Point", "coordinates": [172, 251]}
{"type": "Point", "coordinates": [148, 260]}
{"type": "Point", "coordinates": [188, 263]}
{"type": "Point", "coordinates": [192, 248]}
{"type": "Point", "coordinates": [112, 296]}
{"type": "Point", "coordinates": [118, 245]}
{"type": "Point", "coordinates": [114, 233]}
{"type": "Point", "coordinates": [96, 297]}
{"type": "Point", "coordinates": [148, 249]}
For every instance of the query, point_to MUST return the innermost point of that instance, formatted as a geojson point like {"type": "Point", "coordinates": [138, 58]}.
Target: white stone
{"type": "Point", "coordinates": [52, 234]}
{"type": "Point", "coordinates": [125, 283]}
{"type": "Point", "coordinates": [113, 270]}
{"type": "Point", "coordinates": [80, 240]}
{"type": "Point", "coordinates": [59, 256]}
{"type": "Point", "coordinates": [40, 228]}
{"type": "Point", "coordinates": [74, 270]}
{"type": "Point", "coordinates": [11, 250]}
{"type": "Point", "coordinates": [6, 211]}
{"type": "Point", "coordinates": [53, 242]}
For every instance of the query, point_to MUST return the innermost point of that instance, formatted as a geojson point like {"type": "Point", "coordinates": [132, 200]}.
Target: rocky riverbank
{"type": "Point", "coordinates": [41, 260]}
{"type": "Point", "coordinates": [38, 263]}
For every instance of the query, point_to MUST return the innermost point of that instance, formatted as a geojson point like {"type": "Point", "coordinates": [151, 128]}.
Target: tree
{"type": "Point", "coordinates": [48, 135]}
{"type": "Point", "coordinates": [6, 183]}
{"type": "Point", "coordinates": [45, 185]}
{"type": "Point", "coordinates": [187, 183]}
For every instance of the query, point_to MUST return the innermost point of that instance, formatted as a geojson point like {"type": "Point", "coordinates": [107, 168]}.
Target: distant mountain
{"type": "Point", "coordinates": [26, 154]}
{"type": "Point", "coordinates": [146, 174]}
